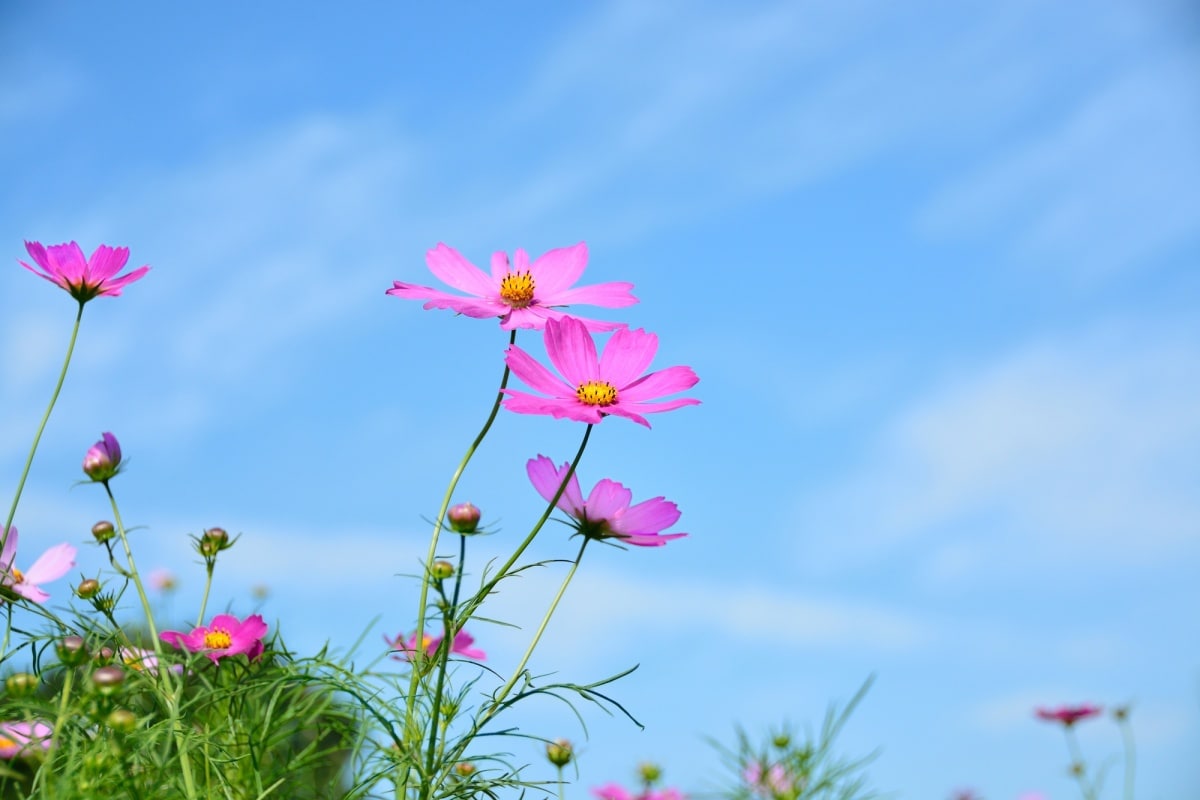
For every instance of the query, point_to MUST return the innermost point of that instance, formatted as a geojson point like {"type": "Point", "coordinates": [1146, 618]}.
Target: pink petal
{"type": "Point", "coordinates": [51, 565]}
{"type": "Point", "coordinates": [607, 500]}
{"type": "Point", "coordinates": [113, 287]}
{"type": "Point", "coordinates": [67, 262]}
{"type": "Point", "coordinates": [30, 591]}
{"type": "Point", "coordinates": [535, 317]}
{"type": "Point", "coordinates": [557, 270]}
{"type": "Point", "coordinates": [452, 269]}
{"type": "Point", "coordinates": [651, 539]}
{"type": "Point", "coordinates": [557, 407]}
{"type": "Point", "coordinates": [469, 306]}
{"type": "Point", "coordinates": [626, 411]}
{"type": "Point", "coordinates": [627, 355]}
{"type": "Point", "coordinates": [534, 375]}
{"type": "Point", "coordinates": [105, 262]}
{"type": "Point", "coordinates": [500, 267]}
{"type": "Point", "coordinates": [546, 478]}
{"type": "Point", "coordinates": [657, 384]}
{"type": "Point", "coordinates": [10, 549]}
{"type": "Point", "coordinates": [648, 516]}
{"type": "Point", "coordinates": [616, 294]}
{"type": "Point", "coordinates": [38, 253]}
{"type": "Point", "coordinates": [572, 351]}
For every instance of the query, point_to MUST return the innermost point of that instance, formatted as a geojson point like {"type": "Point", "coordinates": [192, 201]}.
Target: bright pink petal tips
{"type": "Point", "coordinates": [595, 388]}
{"type": "Point", "coordinates": [225, 636]}
{"type": "Point", "coordinates": [1068, 715]}
{"type": "Point", "coordinates": [83, 278]}
{"type": "Point", "coordinates": [520, 294]}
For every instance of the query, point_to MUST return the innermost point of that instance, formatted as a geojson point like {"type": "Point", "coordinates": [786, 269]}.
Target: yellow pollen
{"type": "Point", "coordinates": [596, 393]}
{"type": "Point", "coordinates": [136, 663]}
{"type": "Point", "coordinates": [516, 289]}
{"type": "Point", "coordinates": [217, 639]}
{"type": "Point", "coordinates": [5, 742]}
{"type": "Point", "coordinates": [18, 576]}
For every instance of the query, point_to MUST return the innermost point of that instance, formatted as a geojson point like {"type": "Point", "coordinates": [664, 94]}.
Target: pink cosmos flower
{"type": "Point", "coordinates": [771, 782]}
{"type": "Point", "coordinates": [225, 636]}
{"type": "Point", "coordinates": [103, 459]}
{"type": "Point", "coordinates": [49, 566]}
{"type": "Point", "coordinates": [1068, 715]}
{"type": "Point", "coordinates": [606, 513]}
{"type": "Point", "coordinates": [19, 738]}
{"type": "Point", "coordinates": [612, 791]}
{"type": "Point", "coordinates": [162, 580]}
{"type": "Point", "coordinates": [521, 294]}
{"type": "Point", "coordinates": [461, 646]}
{"type": "Point", "coordinates": [64, 265]}
{"type": "Point", "coordinates": [141, 660]}
{"type": "Point", "coordinates": [596, 387]}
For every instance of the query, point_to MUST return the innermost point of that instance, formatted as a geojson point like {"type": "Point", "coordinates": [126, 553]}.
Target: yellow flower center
{"type": "Point", "coordinates": [217, 639]}
{"type": "Point", "coordinates": [516, 289]}
{"type": "Point", "coordinates": [18, 576]}
{"type": "Point", "coordinates": [596, 393]}
{"type": "Point", "coordinates": [6, 742]}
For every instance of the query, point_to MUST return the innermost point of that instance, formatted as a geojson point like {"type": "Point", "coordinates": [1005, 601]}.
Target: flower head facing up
{"type": "Point", "coordinates": [1069, 715]}
{"type": "Point", "coordinates": [606, 513]}
{"type": "Point", "coordinates": [23, 738]}
{"type": "Point", "coordinates": [596, 386]}
{"type": "Point", "coordinates": [49, 566]}
{"type": "Point", "coordinates": [84, 278]}
{"type": "Point", "coordinates": [461, 646]}
{"type": "Point", "coordinates": [520, 293]}
{"type": "Point", "coordinates": [225, 636]}
{"type": "Point", "coordinates": [103, 459]}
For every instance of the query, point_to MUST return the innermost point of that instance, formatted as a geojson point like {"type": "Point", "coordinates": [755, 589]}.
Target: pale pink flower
{"type": "Point", "coordinates": [596, 387]}
{"type": "Point", "coordinates": [606, 512]}
{"type": "Point", "coordinates": [49, 566]}
{"type": "Point", "coordinates": [1069, 715]}
{"type": "Point", "coordinates": [771, 782]}
{"type": "Point", "coordinates": [162, 580]}
{"type": "Point", "coordinates": [461, 646]}
{"type": "Point", "coordinates": [225, 636]}
{"type": "Point", "coordinates": [19, 738]}
{"type": "Point", "coordinates": [521, 294]}
{"type": "Point", "coordinates": [141, 660]}
{"type": "Point", "coordinates": [85, 278]}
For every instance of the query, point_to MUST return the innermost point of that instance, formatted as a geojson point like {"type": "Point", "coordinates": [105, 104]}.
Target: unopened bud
{"type": "Point", "coordinates": [464, 769]}
{"type": "Point", "coordinates": [88, 588]}
{"type": "Point", "coordinates": [103, 459]}
{"type": "Point", "coordinates": [108, 679]}
{"type": "Point", "coordinates": [781, 740]}
{"type": "Point", "coordinates": [442, 570]}
{"type": "Point", "coordinates": [213, 541]}
{"type": "Point", "coordinates": [122, 721]}
{"type": "Point", "coordinates": [21, 684]}
{"type": "Point", "coordinates": [72, 650]}
{"type": "Point", "coordinates": [464, 518]}
{"type": "Point", "coordinates": [649, 772]}
{"type": "Point", "coordinates": [559, 752]}
{"type": "Point", "coordinates": [102, 531]}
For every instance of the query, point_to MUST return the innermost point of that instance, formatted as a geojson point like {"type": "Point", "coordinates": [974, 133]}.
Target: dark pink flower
{"type": "Point", "coordinates": [1068, 715]}
{"type": "Point", "coordinates": [521, 294]}
{"type": "Point", "coordinates": [49, 566]}
{"type": "Point", "coordinates": [612, 791]}
{"type": "Point", "coordinates": [596, 387]}
{"type": "Point", "coordinates": [85, 278]}
{"type": "Point", "coordinates": [606, 513]}
{"type": "Point", "coordinates": [103, 459]}
{"type": "Point", "coordinates": [225, 636]}
{"type": "Point", "coordinates": [461, 646]}
{"type": "Point", "coordinates": [20, 738]}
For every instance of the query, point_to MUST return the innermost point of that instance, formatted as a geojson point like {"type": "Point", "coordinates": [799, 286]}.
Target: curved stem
{"type": "Point", "coordinates": [1078, 768]}
{"type": "Point", "coordinates": [37, 437]}
{"type": "Point", "coordinates": [204, 600]}
{"type": "Point", "coordinates": [133, 572]}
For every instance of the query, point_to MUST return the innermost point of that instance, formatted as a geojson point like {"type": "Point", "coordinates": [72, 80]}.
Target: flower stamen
{"type": "Point", "coordinates": [516, 289]}
{"type": "Point", "coordinates": [217, 639]}
{"type": "Point", "coordinates": [18, 576]}
{"type": "Point", "coordinates": [596, 393]}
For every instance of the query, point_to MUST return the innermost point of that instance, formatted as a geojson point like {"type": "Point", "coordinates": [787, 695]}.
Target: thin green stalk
{"type": "Point", "coordinates": [62, 376]}
{"type": "Point", "coordinates": [537, 637]}
{"type": "Point", "coordinates": [1130, 752]}
{"type": "Point", "coordinates": [207, 586]}
{"type": "Point", "coordinates": [423, 600]}
{"type": "Point", "coordinates": [443, 655]}
{"type": "Point", "coordinates": [133, 572]}
{"type": "Point", "coordinates": [1078, 768]}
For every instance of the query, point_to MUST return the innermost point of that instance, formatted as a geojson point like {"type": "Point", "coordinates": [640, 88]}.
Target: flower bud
{"type": "Point", "coordinates": [559, 752]}
{"type": "Point", "coordinates": [72, 650]}
{"type": "Point", "coordinates": [21, 684]}
{"type": "Point", "coordinates": [102, 531]}
{"type": "Point", "coordinates": [213, 541]}
{"type": "Point", "coordinates": [649, 772]}
{"type": "Point", "coordinates": [103, 459]}
{"type": "Point", "coordinates": [108, 679]}
{"type": "Point", "coordinates": [442, 570]}
{"type": "Point", "coordinates": [122, 720]}
{"type": "Point", "coordinates": [781, 740]}
{"type": "Point", "coordinates": [464, 518]}
{"type": "Point", "coordinates": [88, 588]}
{"type": "Point", "coordinates": [464, 769]}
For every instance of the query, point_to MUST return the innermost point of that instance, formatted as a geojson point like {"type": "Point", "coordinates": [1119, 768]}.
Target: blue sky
{"type": "Point", "coordinates": [935, 264]}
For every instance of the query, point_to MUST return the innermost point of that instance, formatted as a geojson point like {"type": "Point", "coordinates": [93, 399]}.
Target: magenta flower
{"type": "Point", "coordinates": [596, 387]}
{"type": "Point", "coordinates": [1069, 715]}
{"type": "Point", "coordinates": [64, 265]}
{"type": "Point", "coordinates": [49, 566]}
{"type": "Point", "coordinates": [103, 459]}
{"type": "Point", "coordinates": [461, 646]}
{"type": "Point", "coordinates": [606, 513]}
{"type": "Point", "coordinates": [770, 782]}
{"type": "Point", "coordinates": [225, 636]}
{"type": "Point", "coordinates": [612, 791]}
{"type": "Point", "coordinates": [20, 738]}
{"type": "Point", "coordinates": [521, 294]}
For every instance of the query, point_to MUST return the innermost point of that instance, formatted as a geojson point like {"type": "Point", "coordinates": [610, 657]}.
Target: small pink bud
{"type": "Point", "coordinates": [464, 518]}
{"type": "Point", "coordinates": [103, 459]}
{"type": "Point", "coordinates": [108, 679]}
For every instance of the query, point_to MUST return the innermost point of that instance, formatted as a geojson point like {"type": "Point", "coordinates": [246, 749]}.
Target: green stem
{"type": "Point", "coordinates": [62, 376]}
{"type": "Point", "coordinates": [443, 654]}
{"type": "Point", "coordinates": [207, 586]}
{"type": "Point", "coordinates": [422, 602]}
{"type": "Point", "coordinates": [472, 605]}
{"type": "Point", "coordinates": [1078, 768]}
{"type": "Point", "coordinates": [498, 699]}
{"type": "Point", "coordinates": [1130, 753]}
{"type": "Point", "coordinates": [133, 573]}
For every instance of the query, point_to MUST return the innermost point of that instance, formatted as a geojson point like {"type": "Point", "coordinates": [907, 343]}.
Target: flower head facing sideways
{"type": "Point", "coordinates": [225, 636]}
{"type": "Point", "coordinates": [522, 294]}
{"type": "Point", "coordinates": [593, 387]}
{"type": "Point", "coordinates": [141, 660]}
{"type": "Point", "coordinates": [1068, 715]}
{"type": "Point", "coordinates": [22, 738]}
{"type": "Point", "coordinates": [103, 459]}
{"type": "Point", "coordinates": [461, 646]}
{"type": "Point", "coordinates": [49, 566]}
{"type": "Point", "coordinates": [84, 278]}
{"type": "Point", "coordinates": [606, 513]}
{"type": "Point", "coordinates": [773, 781]}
